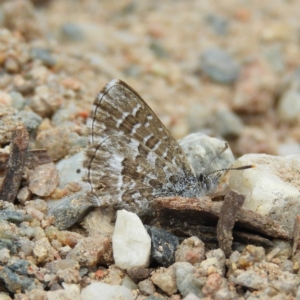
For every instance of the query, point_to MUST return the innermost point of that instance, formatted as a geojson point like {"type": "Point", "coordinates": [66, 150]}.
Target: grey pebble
{"type": "Point", "coordinates": [218, 23]}
{"type": "Point", "coordinates": [219, 66]}
{"type": "Point", "coordinates": [186, 281]}
{"type": "Point", "coordinates": [30, 119]}
{"type": "Point", "coordinates": [18, 101]}
{"type": "Point", "coordinates": [44, 55]}
{"type": "Point", "coordinates": [14, 282]}
{"type": "Point", "coordinates": [19, 266]}
{"type": "Point", "coordinates": [227, 124]}
{"type": "Point", "coordinates": [72, 32]}
{"type": "Point", "coordinates": [14, 216]}
{"type": "Point", "coordinates": [69, 210]}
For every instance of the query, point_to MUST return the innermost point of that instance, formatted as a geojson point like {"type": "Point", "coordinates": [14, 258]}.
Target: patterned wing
{"type": "Point", "coordinates": [131, 157]}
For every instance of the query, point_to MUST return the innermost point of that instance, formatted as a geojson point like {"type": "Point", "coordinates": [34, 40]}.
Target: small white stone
{"type": "Point", "coordinates": [103, 291]}
{"type": "Point", "coordinates": [131, 242]}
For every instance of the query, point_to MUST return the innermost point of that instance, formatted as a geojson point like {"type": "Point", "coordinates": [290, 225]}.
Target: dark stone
{"type": "Point", "coordinates": [163, 246]}
{"type": "Point", "coordinates": [219, 66]}
{"type": "Point", "coordinates": [138, 274]}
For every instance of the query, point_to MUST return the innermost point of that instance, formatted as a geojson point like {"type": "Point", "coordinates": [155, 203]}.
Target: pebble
{"type": "Point", "coordinates": [201, 150]}
{"type": "Point", "coordinates": [139, 273]}
{"type": "Point", "coordinates": [55, 141]}
{"type": "Point", "coordinates": [191, 250]}
{"type": "Point", "coordinates": [278, 184]}
{"type": "Point", "coordinates": [99, 222]}
{"type": "Point", "coordinates": [66, 270]}
{"type": "Point", "coordinates": [218, 23]}
{"type": "Point", "coordinates": [227, 124]}
{"type": "Point", "coordinates": [14, 216]}
{"type": "Point", "coordinates": [163, 246]}
{"type": "Point", "coordinates": [89, 250]}
{"type": "Point", "coordinates": [288, 109]}
{"type": "Point", "coordinates": [30, 119]}
{"type": "Point", "coordinates": [107, 292]}
{"type": "Point", "coordinates": [14, 282]}
{"type": "Point", "coordinates": [68, 210]}
{"type": "Point", "coordinates": [165, 279]}
{"type": "Point", "coordinates": [72, 32]}
{"type": "Point", "coordinates": [43, 180]}
{"type": "Point", "coordinates": [131, 242]}
{"type": "Point", "coordinates": [44, 55]}
{"type": "Point", "coordinates": [18, 101]}
{"type": "Point", "coordinates": [255, 94]}
{"type": "Point", "coordinates": [219, 66]}
{"type": "Point", "coordinates": [146, 287]}
{"type": "Point", "coordinates": [43, 251]}
{"type": "Point", "coordinates": [186, 281]}
{"type": "Point", "coordinates": [70, 169]}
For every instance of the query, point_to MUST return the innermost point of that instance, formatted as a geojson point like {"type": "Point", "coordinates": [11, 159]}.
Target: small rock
{"type": "Point", "coordinates": [131, 242]}
{"type": "Point", "coordinates": [11, 65]}
{"type": "Point", "coordinates": [15, 282]}
{"type": "Point", "coordinates": [218, 23]}
{"type": "Point", "coordinates": [4, 255]}
{"type": "Point", "coordinates": [139, 273]}
{"type": "Point", "coordinates": [288, 109]}
{"type": "Point", "coordinates": [19, 266]}
{"type": "Point", "coordinates": [30, 119]}
{"type": "Point", "coordinates": [271, 188]}
{"type": "Point", "coordinates": [43, 179]}
{"type": "Point", "coordinates": [37, 295]}
{"type": "Point", "coordinates": [165, 279]}
{"type": "Point", "coordinates": [163, 246]}
{"type": "Point", "coordinates": [99, 221]}
{"type": "Point", "coordinates": [24, 194]}
{"type": "Point", "coordinates": [62, 295]}
{"type": "Point", "coordinates": [146, 287]}
{"type": "Point", "coordinates": [251, 279]}
{"type": "Point", "coordinates": [191, 250]}
{"type": "Point", "coordinates": [68, 210]}
{"type": "Point", "coordinates": [43, 251]}
{"type": "Point", "coordinates": [89, 251]}
{"type": "Point", "coordinates": [129, 283]}
{"type": "Point", "coordinates": [191, 296]}
{"type": "Point", "coordinates": [72, 32]}
{"type": "Point", "coordinates": [66, 270]}
{"type": "Point", "coordinates": [69, 238]}
{"type": "Point", "coordinates": [55, 141]}
{"type": "Point", "coordinates": [46, 100]}
{"type": "Point", "coordinates": [14, 216]}
{"type": "Point", "coordinates": [219, 66]}
{"type": "Point", "coordinates": [44, 55]}
{"type": "Point", "coordinates": [219, 255]}
{"type": "Point", "coordinates": [186, 280]}
{"type": "Point", "coordinates": [107, 292]}
{"type": "Point", "coordinates": [227, 124]}
{"type": "Point", "coordinates": [18, 100]}
{"type": "Point", "coordinates": [70, 169]}
{"type": "Point", "coordinates": [212, 284]}
{"type": "Point", "coordinates": [255, 94]}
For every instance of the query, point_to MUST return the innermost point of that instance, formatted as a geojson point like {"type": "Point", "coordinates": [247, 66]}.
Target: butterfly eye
{"type": "Point", "coordinates": [201, 177]}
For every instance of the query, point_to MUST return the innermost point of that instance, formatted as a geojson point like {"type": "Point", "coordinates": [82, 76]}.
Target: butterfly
{"type": "Point", "coordinates": [131, 157]}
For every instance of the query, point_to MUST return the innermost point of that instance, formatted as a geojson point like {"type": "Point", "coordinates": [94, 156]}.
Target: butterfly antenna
{"type": "Point", "coordinates": [222, 150]}
{"type": "Point", "coordinates": [228, 169]}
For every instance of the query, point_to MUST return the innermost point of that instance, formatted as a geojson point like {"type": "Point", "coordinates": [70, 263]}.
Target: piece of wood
{"type": "Point", "coordinates": [231, 205]}
{"type": "Point", "coordinates": [171, 211]}
{"type": "Point", "coordinates": [15, 165]}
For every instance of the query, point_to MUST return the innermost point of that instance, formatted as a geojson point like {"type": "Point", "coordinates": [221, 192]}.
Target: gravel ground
{"type": "Point", "coordinates": [229, 70]}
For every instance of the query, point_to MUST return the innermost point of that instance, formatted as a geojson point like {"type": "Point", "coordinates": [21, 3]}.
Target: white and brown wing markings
{"type": "Point", "coordinates": [130, 154]}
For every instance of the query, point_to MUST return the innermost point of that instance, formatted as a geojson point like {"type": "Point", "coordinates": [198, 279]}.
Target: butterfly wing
{"type": "Point", "coordinates": [131, 157]}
